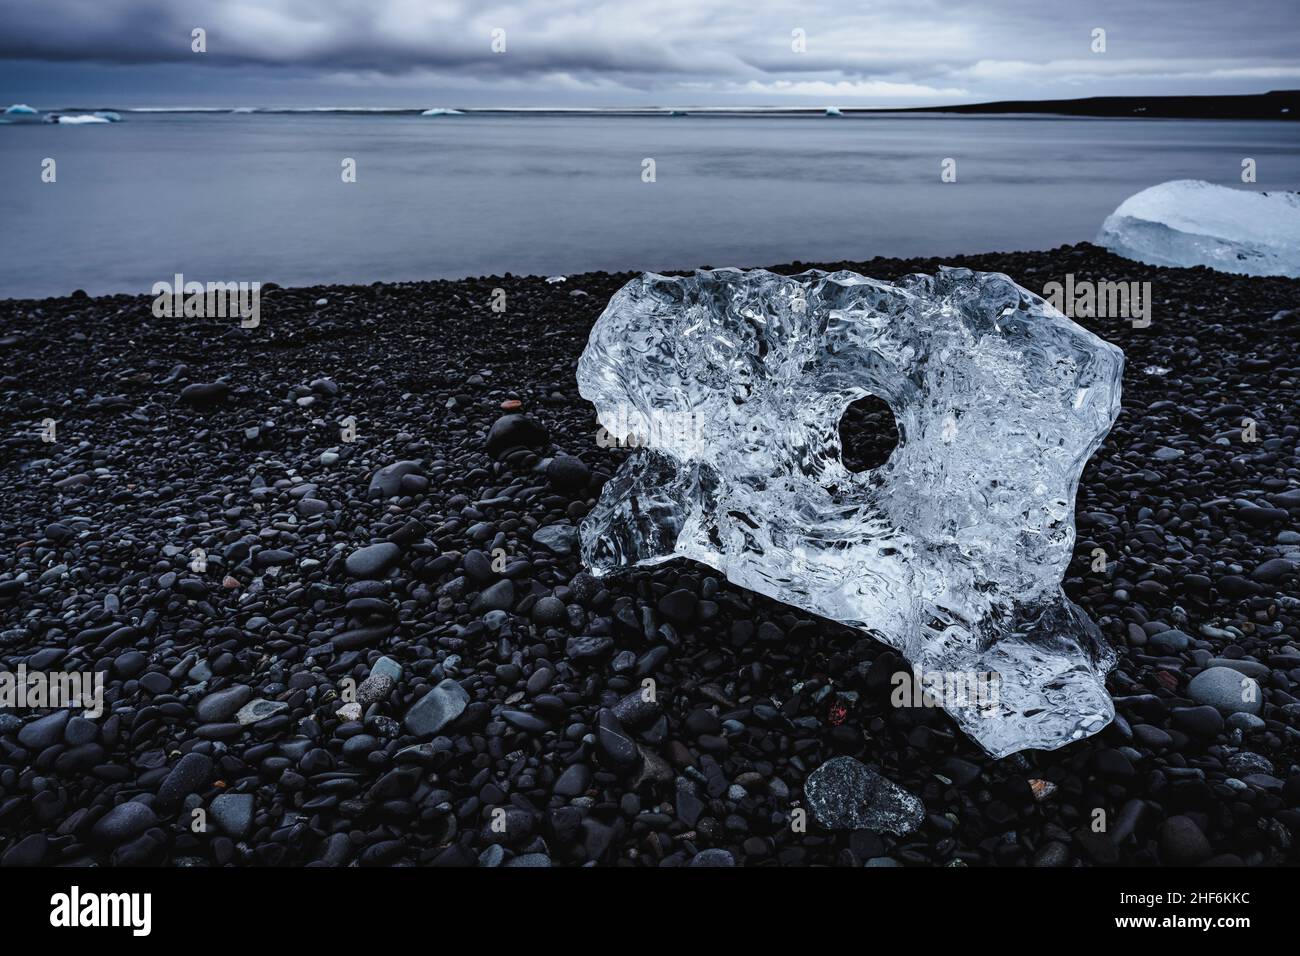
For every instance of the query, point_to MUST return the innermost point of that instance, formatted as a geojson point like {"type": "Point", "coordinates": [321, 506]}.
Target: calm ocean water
{"type": "Point", "coordinates": [238, 197]}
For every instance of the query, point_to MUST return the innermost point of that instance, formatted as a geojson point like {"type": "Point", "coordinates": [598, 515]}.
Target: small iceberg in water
{"type": "Point", "coordinates": [833, 111]}
{"type": "Point", "coordinates": [1188, 222]}
{"type": "Point", "coordinates": [22, 113]}
{"type": "Point", "coordinates": [442, 111]}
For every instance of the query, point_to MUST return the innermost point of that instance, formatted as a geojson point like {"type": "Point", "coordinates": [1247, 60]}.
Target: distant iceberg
{"type": "Point", "coordinates": [22, 113]}
{"type": "Point", "coordinates": [1188, 222]}
{"type": "Point", "coordinates": [833, 111]}
{"type": "Point", "coordinates": [80, 119]}
{"type": "Point", "coordinates": [441, 111]}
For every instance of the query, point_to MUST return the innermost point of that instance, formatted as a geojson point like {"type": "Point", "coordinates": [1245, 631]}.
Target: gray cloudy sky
{"type": "Point", "coordinates": [635, 52]}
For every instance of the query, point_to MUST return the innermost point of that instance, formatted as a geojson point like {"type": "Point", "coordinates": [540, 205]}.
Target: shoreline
{"type": "Point", "coordinates": [886, 267]}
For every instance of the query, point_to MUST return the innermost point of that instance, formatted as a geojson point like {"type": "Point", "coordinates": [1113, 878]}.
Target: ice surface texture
{"type": "Point", "coordinates": [1192, 223]}
{"type": "Point", "coordinates": [733, 385]}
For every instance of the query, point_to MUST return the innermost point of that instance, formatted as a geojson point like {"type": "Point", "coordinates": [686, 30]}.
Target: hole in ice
{"type": "Point", "coordinates": [868, 434]}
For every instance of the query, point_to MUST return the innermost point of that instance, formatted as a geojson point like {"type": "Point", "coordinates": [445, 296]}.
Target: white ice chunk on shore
{"type": "Point", "coordinates": [953, 551]}
{"type": "Point", "coordinates": [1188, 222]}
{"type": "Point", "coordinates": [81, 119]}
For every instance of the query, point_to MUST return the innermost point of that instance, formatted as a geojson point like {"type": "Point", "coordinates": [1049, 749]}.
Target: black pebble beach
{"type": "Point", "coordinates": [200, 533]}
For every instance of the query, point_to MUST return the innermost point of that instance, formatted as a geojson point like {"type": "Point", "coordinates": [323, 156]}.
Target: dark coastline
{"type": "Point", "coordinates": [1274, 105]}
{"type": "Point", "coordinates": [99, 527]}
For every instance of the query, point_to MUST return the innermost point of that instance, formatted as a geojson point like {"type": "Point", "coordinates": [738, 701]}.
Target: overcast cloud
{"type": "Point", "coordinates": [627, 52]}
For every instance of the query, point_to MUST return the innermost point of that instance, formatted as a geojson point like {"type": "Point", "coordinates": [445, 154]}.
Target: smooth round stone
{"type": "Point", "coordinates": [549, 610]}
{"type": "Point", "coordinates": [477, 565]}
{"type": "Point", "coordinates": [1227, 690]}
{"type": "Point", "coordinates": [80, 730]}
{"type": "Point", "coordinates": [1247, 667]}
{"type": "Point", "coordinates": [678, 606]}
{"type": "Point", "coordinates": [272, 558]}
{"type": "Point", "coordinates": [124, 822]}
{"type": "Point", "coordinates": [29, 851]}
{"type": "Point", "coordinates": [1247, 722]}
{"type": "Point", "coordinates": [358, 747]}
{"type": "Point", "coordinates": [45, 659]}
{"type": "Point", "coordinates": [191, 774]}
{"type": "Point", "coordinates": [204, 393]}
{"type": "Point", "coordinates": [44, 731]}
{"type": "Point", "coordinates": [539, 680]}
{"type": "Point", "coordinates": [413, 484]}
{"type": "Point", "coordinates": [499, 597]}
{"type": "Point", "coordinates": [386, 667]}
{"type": "Point", "coordinates": [568, 473]}
{"type": "Point", "coordinates": [222, 704]}
{"type": "Point", "coordinates": [1171, 641]}
{"type": "Point", "coordinates": [574, 781]}
{"type": "Point", "coordinates": [373, 560]}
{"type": "Point", "coordinates": [1202, 721]}
{"type": "Point", "coordinates": [1182, 843]}
{"type": "Point", "coordinates": [233, 813]}
{"type": "Point", "coordinates": [387, 481]}
{"type": "Point", "coordinates": [1153, 738]}
{"type": "Point", "coordinates": [130, 664]}
{"type": "Point", "coordinates": [156, 682]}
{"type": "Point", "coordinates": [529, 723]}
{"type": "Point", "coordinates": [514, 431]}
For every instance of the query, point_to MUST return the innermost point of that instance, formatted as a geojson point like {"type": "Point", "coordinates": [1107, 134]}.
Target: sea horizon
{"type": "Point", "coordinates": [1275, 104]}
